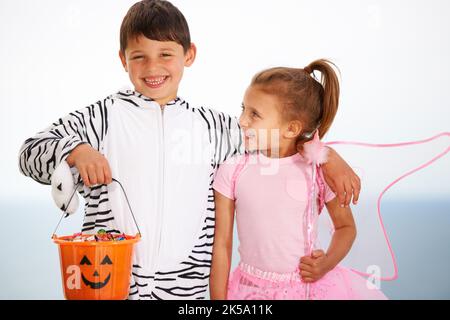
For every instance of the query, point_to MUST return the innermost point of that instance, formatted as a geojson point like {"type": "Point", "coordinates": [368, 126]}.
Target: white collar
{"type": "Point", "coordinates": [139, 100]}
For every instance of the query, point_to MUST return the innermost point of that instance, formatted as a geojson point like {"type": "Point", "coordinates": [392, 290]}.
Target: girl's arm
{"type": "Point", "coordinates": [315, 267]}
{"type": "Point", "coordinates": [223, 241]}
{"type": "Point", "coordinates": [344, 234]}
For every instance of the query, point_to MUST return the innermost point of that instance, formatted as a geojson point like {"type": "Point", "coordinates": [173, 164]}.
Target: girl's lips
{"type": "Point", "coordinates": [155, 82]}
{"type": "Point", "coordinates": [249, 135]}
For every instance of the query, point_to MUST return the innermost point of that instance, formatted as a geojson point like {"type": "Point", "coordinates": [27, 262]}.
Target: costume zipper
{"type": "Point", "coordinates": [162, 193]}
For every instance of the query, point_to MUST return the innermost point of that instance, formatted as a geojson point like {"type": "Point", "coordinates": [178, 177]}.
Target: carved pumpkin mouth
{"type": "Point", "coordinates": [95, 285]}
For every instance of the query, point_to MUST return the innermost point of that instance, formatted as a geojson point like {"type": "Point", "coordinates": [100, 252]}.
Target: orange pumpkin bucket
{"type": "Point", "coordinates": [94, 270]}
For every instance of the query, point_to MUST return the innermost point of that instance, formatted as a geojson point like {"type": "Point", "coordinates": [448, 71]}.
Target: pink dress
{"type": "Point", "coordinates": [271, 198]}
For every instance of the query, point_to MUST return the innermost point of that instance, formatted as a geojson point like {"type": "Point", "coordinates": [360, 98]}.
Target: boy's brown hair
{"type": "Point", "coordinates": [157, 20]}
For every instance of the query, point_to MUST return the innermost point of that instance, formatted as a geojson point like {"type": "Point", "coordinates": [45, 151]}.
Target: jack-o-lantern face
{"type": "Point", "coordinates": [96, 284]}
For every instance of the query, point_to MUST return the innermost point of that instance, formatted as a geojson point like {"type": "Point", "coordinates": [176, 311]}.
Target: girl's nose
{"type": "Point", "coordinates": [243, 121]}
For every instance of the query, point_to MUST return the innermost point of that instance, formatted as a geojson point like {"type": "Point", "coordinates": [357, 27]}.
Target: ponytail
{"type": "Point", "coordinates": [329, 93]}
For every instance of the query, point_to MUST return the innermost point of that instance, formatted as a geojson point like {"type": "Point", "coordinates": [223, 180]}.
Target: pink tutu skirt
{"type": "Point", "coordinates": [249, 283]}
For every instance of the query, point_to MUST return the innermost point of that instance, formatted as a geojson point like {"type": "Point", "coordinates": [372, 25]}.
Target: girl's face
{"type": "Point", "coordinates": [156, 67]}
{"type": "Point", "coordinates": [262, 124]}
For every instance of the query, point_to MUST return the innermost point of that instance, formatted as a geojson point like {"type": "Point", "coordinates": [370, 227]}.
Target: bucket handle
{"type": "Point", "coordinates": [80, 183]}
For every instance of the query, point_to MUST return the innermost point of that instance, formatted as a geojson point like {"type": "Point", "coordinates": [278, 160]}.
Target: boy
{"type": "Point", "coordinates": [162, 150]}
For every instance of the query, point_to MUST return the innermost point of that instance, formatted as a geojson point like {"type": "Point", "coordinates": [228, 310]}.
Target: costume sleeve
{"type": "Point", "coordinates": [225, 135]}
{"type": "Point", "coordinates": [232, 134]}
{"type": "Point", "coordinates": [41, 154]}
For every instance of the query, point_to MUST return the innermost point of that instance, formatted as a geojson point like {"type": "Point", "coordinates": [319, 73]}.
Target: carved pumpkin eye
{"type": "Point", "coordinates": [85, 260]}
{"type": "Point", "coordinates": [106, 260]}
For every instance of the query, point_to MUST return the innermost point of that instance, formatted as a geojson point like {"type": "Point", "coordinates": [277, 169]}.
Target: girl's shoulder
{"type": "Point", "coordinates": [231, 167]}
{"type": "Point", "coordinates": [227, 174]}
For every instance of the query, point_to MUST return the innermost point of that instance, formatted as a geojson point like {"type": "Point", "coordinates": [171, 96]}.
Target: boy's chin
{"type": "Point", "coordinates": [161, 99]}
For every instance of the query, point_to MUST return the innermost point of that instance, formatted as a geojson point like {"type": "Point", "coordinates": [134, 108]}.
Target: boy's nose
{"type": "Point", "coordinates": [151, 64]}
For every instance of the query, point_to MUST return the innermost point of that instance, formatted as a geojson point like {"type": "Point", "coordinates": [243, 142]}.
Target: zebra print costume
{"type": "Point", "coordinates": [165, 160]}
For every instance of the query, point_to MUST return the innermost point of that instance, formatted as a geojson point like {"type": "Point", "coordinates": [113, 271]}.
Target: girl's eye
{"type": "Point", "coordinates": [254, 114]}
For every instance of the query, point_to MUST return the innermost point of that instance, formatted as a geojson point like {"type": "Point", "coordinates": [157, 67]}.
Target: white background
{"type": "Point", "coordinates": [58, 56]}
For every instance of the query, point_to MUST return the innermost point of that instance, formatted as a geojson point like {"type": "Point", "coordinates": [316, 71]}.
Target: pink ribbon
{"type": "Point", "coordinates": [390, 185]}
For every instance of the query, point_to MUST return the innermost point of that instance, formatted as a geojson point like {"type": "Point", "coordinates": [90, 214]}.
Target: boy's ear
{"type": "Point", "coordinates": [123, 59]}
{"type": "Point", "coordinates": [190, 55]}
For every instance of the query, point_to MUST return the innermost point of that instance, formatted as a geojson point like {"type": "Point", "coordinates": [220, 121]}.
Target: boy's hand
{"type": "Point", "coordinates": [315, 267]}
{"type": "Point", "coordinates": [91, 164]}
{"type": "Point", "coordinates": [341, 178]}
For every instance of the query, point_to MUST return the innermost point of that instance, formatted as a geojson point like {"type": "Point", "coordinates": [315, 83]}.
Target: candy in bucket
{"type": "Point", "coordinates": [96, 267]}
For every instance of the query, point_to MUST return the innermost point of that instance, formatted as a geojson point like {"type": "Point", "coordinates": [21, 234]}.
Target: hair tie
{"type": "Point", "coordinates": [307, 69]}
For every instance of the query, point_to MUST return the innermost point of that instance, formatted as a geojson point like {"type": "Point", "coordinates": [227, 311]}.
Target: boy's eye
{"type": "Point", "coordinates": [165, 55]}
{"type": "Point", "coordinates": [137, 57]}
{"type": "Point", "coordinates": [254, 114]}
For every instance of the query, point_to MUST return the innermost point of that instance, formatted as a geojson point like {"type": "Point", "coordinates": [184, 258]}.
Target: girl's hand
{"type": "Point", "coordinates": [91, 164]}
{"type": "Point", "coordinates": [315, 267]}
{"type": "Point", "coordinates": [341, 178]}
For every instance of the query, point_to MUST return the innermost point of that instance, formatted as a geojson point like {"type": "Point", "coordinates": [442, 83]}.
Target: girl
{"type": "Point", "coordinates": [269, 188]}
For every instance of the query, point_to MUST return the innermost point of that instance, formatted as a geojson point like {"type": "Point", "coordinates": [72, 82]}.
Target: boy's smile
{"type": "Point", "coordinates": [155, 82]}
{"type": "Point", "coordinates": [156, 67]}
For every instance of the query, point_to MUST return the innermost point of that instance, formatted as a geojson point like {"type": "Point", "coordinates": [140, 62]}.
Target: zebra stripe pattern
{"type": "Point", "coordinates": [40, 155]}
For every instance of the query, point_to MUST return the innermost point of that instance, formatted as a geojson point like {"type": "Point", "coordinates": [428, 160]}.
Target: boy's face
{"type": "Point", "coordinates": [156, 67]}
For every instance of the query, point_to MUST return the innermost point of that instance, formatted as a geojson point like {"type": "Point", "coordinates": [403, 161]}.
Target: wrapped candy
{"type": "Point", "coordinates": [101, 236]}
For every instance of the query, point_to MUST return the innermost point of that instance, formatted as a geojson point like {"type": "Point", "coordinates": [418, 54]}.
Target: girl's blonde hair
{"type": "Point", "coordinates": [302, 96]}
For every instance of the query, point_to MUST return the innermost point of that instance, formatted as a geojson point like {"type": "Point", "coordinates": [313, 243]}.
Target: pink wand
{"type": "Point", "coordinates": [315, 153]}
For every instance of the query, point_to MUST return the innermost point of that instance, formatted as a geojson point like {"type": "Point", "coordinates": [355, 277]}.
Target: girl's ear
{"type": "Point", "coordinates": [293, 129]}
{"type": "Point", "coordinates": [190, 55]}
{"type": "Point", "coordinates": [123, 59]}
